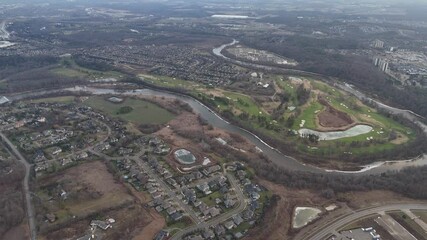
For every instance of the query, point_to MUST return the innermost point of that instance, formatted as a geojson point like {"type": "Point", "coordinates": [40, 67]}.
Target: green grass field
{"type": "Point", "coordinates": [68, 72]}
{"type": "Point", "coordinates": [181, 224]}
{"type": "Point", "coordinates": [62, 99]}
{"type": "Point", "coordinates": [309, 115]}
{"type": "Point", "coordinates": [143, 112]}
{"type": "Point", "coordinates": [164, 81]}
{"type": "Point", "coordinates": [243, 103]}
{"type": "Point", "coordinates": [69, 68]}
{"type": "Point", "coordinates": [210, 199]}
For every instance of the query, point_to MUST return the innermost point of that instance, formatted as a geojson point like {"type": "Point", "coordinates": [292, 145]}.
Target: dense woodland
{"type": "Point", "coordinates": [12, 210]}
{"type": "Point", "coordinates": [411, 182]}
{"type": "Point", "coordinates": [10, 65]}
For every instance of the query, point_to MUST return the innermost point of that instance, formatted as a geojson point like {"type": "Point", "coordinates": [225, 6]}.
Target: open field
{"type": "Point", "coordinates": [421, 214]}
{"type": "Point", "coordinates": [79, 192]}
{"type": "Point", "coordinates": [149, 231]}
{"type": "Point", "coordinates": [69, 68]}
{"type": "Point", "coordinates": [169, 82]}
{"type": "Point", "coordinates": [142, 112]}
{"type": "Point", "coordinates": [131, 221]}
{"type": "Point", "coordinates": [62, 99]}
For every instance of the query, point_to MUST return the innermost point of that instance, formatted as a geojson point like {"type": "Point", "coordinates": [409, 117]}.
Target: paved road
{"type": "Point", "coordinates": [394, 228]}
{"type": "Point", "coordinates": [172, 194]}
{"type": "Point", "coordinates": [326, 229]}
{"type": "Point", "coordinates": [241, 206]}
{"type": "Point", "coordinates": [26, 188]}
{"type": "Point", "coordinates": [417, 219]}
{"type": "Point", "coordinates": [90, 148]}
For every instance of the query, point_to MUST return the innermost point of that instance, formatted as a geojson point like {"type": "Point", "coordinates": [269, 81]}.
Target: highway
{"type": "Point", "coordinates": [26, 187]}
{"type": "Point", "coordinates": [328, 228]}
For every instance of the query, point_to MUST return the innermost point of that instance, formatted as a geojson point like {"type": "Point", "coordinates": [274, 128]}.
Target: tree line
{"type": "Point", "coordinates": [410, 182]}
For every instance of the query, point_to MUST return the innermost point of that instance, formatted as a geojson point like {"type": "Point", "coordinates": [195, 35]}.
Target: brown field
{"type": "Point", "coordinates": [20, 232]}
{"type": "Point", "coordinates": [333, 118]}
{"type": "Point", "coordinates": [179, 134]}
{"type": "Point", "coordinates": [129, 222]}
{"type": "Point", "coordinates": [91, 189]}
{"type": "Point", "coordinates": [149, 231]}
{"type": "Point", "coordinates": [356, 200]}
{"type": "Point", "coordinates": [185, 128]}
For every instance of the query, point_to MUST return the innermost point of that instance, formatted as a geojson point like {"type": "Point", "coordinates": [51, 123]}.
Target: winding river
{"type": "Point", "coordinates": [215, 120]}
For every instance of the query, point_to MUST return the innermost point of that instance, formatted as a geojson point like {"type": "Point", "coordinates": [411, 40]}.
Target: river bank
{"type": "Point", "coordinates": [215, 120]}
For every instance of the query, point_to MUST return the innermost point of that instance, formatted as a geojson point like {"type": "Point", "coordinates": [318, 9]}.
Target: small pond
{"type": "Point", "coordinates": [333, 135]}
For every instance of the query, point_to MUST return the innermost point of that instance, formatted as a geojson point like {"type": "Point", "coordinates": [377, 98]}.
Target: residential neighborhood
{"type": "Point", "coordinates": [211, 199]}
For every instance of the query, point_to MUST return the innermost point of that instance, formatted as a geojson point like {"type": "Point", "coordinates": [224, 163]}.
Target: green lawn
{"type": "Point", "coordinates": [69, 68]}
{"type": "Point", "coordinates": [421, 214]}
{"type": "Point", "coordinates": [68, 72]}
{"type": "Point", "coordinates": [243, 103]}
{"type": "Point", "coordinates": [210, 199]}
{"type": "Point", "coordinates": [143, 112]}
{"type": "Point", "coordinates": [181, 224]}
{"type": "Point", "coordinates": [3, 85]}
{"type": "Point", "coordinates": [289, 89]}
{"type": "Point", "coordinates": [242, 227]}
{"type": "Point", "coordinates": [309, 115]}
{"type": "Point", "coordinates": [62, 99]}
{"type": "Point", "coordinates": [165, 81]}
